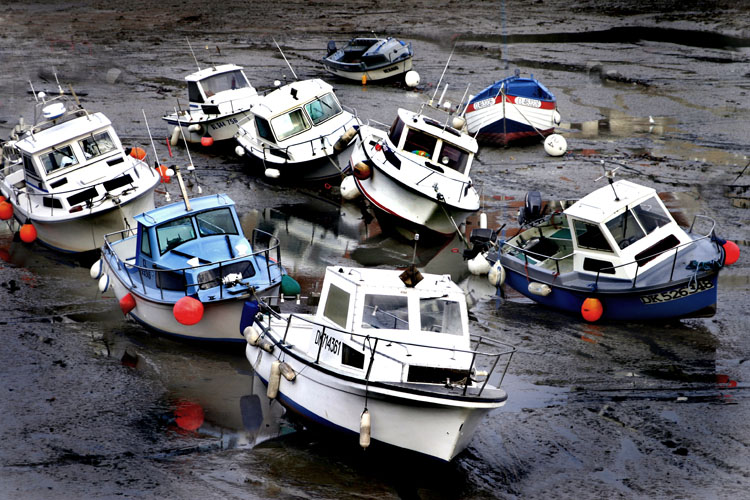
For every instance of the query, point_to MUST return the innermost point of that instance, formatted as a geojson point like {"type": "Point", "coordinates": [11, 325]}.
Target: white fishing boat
{"type": "Point", "coordinates": [369, 59]}
{"type": "Point", "coordinates": [219, 97]}
{"type": "Point", "coordinates": [417, 172]}
{"type": "Point", "coordinates": [70, 181]}
{"type": "Point", "coordinates": [299, 131]}
{"type": "Point", "coordinates": [387, 356]}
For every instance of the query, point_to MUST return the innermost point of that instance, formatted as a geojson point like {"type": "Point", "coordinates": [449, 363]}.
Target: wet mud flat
{"type": "Point", "coordinates": [92, 403]}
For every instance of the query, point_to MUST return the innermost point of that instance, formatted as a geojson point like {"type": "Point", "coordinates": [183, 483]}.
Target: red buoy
{"type": "Point", "coordinates": [138, 153]}
{"type": "Point", "coordinates": [207, 140]}
{"type": "Point", "coordinates": [27, 233]}
{"type": "Point", "coordinates": [162, 169]}
{"type": "Point", "coordinates": [362, 171]}
{"type": "Point", "coordinates": [189, 416]}
{"type": "Point", "coordinates": [6, 210]}
{"type": "Point", "coordinates": [592, 309]}
{"type": "Point", "coordinates": [127, 303]}
{"type": "Point", "coordinates": [731, 253]}
{"type": "Point", "coordinates": [188, 311]}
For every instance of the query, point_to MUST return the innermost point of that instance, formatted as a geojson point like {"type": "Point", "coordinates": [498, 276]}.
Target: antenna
{"type": "Point", "coordinates": [177, 168]}
{"type": "Point", "coordinates": [153, 147]}
{"type": "Point", "coordinates": [444, 69]}
{"type": "Point", "coordinates": [58, 82]}
{"type": "Point", "coordinates": [610, 175]}
{"type": "Point", "coordinates": [191, 51]}
{"type": "Point", "coordinates": [285, 60]}
{"type": "Point", "coordinates": [33, 91]}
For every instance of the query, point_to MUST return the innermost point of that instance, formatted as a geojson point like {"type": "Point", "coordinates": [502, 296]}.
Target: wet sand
{"type": "Point", "coordinates": [595, 411]}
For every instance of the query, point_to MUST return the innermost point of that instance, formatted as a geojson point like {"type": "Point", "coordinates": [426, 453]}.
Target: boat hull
{"type": "Point", "coordinates": [495, 121]}
{"type": "Point", "coordinates": [671, 301]}
{"type": "Point", "coordinates": [386, 72]}
{"type": "Point", "coordinates": [220, 128]}
{"type": "Point", "coordinates": [439, 429]}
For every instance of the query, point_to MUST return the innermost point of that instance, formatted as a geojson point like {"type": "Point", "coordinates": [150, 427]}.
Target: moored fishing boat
{"type": "Point", "coordinates": [616, 254]}
{"type": "Point", "coordinates": [387, 355]}
{"type": "Point", "coordinates": [369, 59]}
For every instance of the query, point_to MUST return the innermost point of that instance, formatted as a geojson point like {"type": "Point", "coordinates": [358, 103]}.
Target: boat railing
{"type": "Point", "coordinates": [507, 247]}
{"type": "Point", "coordinates": [501, 351]}
{"type": "Point", "coordinates": [236, 105]}
{"type": "Point", "coordinates": [263, 244]}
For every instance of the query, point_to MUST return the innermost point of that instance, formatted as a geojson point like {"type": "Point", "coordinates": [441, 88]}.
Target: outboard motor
{"type": "Point", "coordinates": [481, 239]}
{"type": "Point", "coordinates": [331, 47]}
{"type": "Point", "coordinates": [532, 209]}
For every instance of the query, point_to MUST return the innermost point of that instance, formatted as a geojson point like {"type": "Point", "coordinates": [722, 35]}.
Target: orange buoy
{"type": "Point", "coordinates": [207, 140]}
{"type": "Point", "coordinates": [364, 79]}
{"type": "Point", "coordinates": [162, 169]}
{"type": "Point", "coordinates": [27, 233]}
{"type": "Point", "coordinates": [6, 210]}
{"type": "Point", "coordinates": [138, 153]}
{"type": "Point", "coordinates": [592, 309]}
{"type": "Point", "coordinates": [362, 171]}
{"type": "Point", "coordinates": [189, 416]}
{"type": "Point", "coordinates": [731, 252]}
{"type": "Point", "coordinates": [188, 311]}
{"type": "Point", "coordinates": [127, 303]}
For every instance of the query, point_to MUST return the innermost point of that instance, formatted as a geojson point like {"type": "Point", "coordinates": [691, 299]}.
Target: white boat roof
{"type": "Point", "coordinates": [437, 128]}
{"type": "Point", "coordinates": [598, 206]}
{"type": "Point", "coordinates": [63, 132]}
{"type": "Point", "coordinates": [388, 281]}
{"type": "Point", "coordinates": [213, 70]}
{"type": "Point", "coordinates": [281, 99]}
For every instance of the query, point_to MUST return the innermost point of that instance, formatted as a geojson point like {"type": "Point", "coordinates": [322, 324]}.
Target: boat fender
{"type": "Point", "coordinates": [555, 145]}
{"type": "Point", "coordinates": [411, 79]}
{"type": "Point", "coordinates": [96, 270]}
{"type": "Point", "coordinates": [267, 346]}
{"type": "Point", "coordinates": [127, 303]}
{"type": "Point", "coordinates": [251, 335]}
{"type": "Point", "coordinates": [103, 283]}
{"type": "Point", "coordinates": [345, 139]}
{"type": "Point", "coordinates": [207, 141]}
{"type": "Point", "coordinates": [365, 428]}
{"type": "Point", "coordinates": [540, 289]}
{"type": "Point", "coordinates": [274, 379]}
{"type": "Point", "coordinates": [195, 127]}
{"type": "Point", "coordinates": [175, 136]}
{"type": "Point", "coordinates": [592, 309]}
{"type": "Point", "coordinates": [348, 188]}
{"type": "Point", "coordinates": [272, 173]}
{"type": "Point", "coordinates": [496, 274]}
{"type": "Point", "coordinates": [731, 252]}
{"type": "Point", "coordinates": [362, 171]}
{"type": "Point", "coordinates": [479, 265]}
{"type": "Point", "coordinates": [239, 151]}
{"type": "Point", "coordinates": [138, 153]}
{"type": "Point", "coordinates": [287, 371]}
{"type": "Point", "coordinates": [27, 233]}
{"type": "Point", "coordinates": [483, 220]}
{"type": "Point", "coordinates": [556, 118]}
{"type": "Point", "coordinates": [6, 210]}
{"type": "Point", "coordinates": [289, 286]}
{"type": "Point", "coordinates": [458, 122]}
{"type": "Point", "coordinates": [188, 311]}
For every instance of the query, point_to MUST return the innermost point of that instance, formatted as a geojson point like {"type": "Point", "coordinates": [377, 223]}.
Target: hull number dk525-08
{"type": "Point", "coordinates": [678, 293]}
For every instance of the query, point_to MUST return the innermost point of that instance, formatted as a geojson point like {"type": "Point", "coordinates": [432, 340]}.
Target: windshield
{"type": "Point", "coordinates": [218, 221]}
{"type": "Point", "coordinates": [323, 108]}
{"type": "Point", "coordinates": [590, 236]}
{"type": "Point", "coordinates": [230, 80]}
{"type": "Point", "coordinates": [59, 158]}
{"type": "Point", "coordinates": [440, 315]}
{"type": "Point", "coordinates": [97, 144]}
{"type": "Point", "coordinates": [389, 312]}
{"type": "Point", "coordinates": [289, 124]}
{"type": "Point", "coordinates": [174, 233]}
{"type": "Point", "coordinates": [651, 215]}
{"type": "Point", "coordinates": [625, 229]}
{"type": "Point", "coordinates": [453, 157]}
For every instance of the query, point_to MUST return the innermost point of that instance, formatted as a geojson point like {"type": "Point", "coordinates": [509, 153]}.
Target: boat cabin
{"type": "Point", "coordinates": [618, 230]}
{"type": "Point", "coordinates": [210, 87]}
{"type": "Point", "coordinates": [370, 52]}
{"type": "Point", "coordinates": [59, 162]}
{"type": "Point", "coordinates": [443, 147]}
{"type": "Point", "coordinates": [193, 246]}
{"type": "Point", "coordinates": [293, 109]}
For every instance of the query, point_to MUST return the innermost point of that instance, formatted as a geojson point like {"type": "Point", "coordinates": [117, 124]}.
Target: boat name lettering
{"type": "Point", "coordinates": [330, 343]}
{"type": "Point", "coordinates": [484, 103]}
{"type": "Point", "coordinates": [224, 123]}
{"type": "Point", "coordinates": [678, 293]}
{"type": "Point", "coordinates": [147, 274]}
{"type": "Point", "coordinates": [525, 101]}
{"type": "Point", "coordinates": [392, 68]}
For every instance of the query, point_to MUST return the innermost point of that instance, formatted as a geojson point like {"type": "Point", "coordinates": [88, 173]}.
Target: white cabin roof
{"type": "Point", "coordinates": [598, 206]}
{"type": "Point", "coordinates": [63, 132]}
{"type": "Point", "coordinates": [281, 99]}
{"type": "Point", "coordinates": [213, 70]}
{"type": "Point", "coordinates": [438, 129]}
{"type": "Point", "coordinates": [387, 281]}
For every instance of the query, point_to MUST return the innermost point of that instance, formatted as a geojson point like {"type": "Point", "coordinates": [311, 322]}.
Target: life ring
{"type": "Point", "coordinates": [419, 152]}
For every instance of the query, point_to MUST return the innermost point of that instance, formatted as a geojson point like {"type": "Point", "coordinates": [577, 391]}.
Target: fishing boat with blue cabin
{"type": "Point", "coordinates": [511, 109]}
{"type": "Point", "coordinates": [369, 59]}
{"type": "Point", "coordinates": [616, 254]}
{"type": "Point", "coordinates": [187, 268]}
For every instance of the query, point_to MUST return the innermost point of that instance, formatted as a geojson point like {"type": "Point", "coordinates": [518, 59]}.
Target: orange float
{"type": "Point", "coordinates": [27, 233]}
{"type": "Point", "coordinates": [592, 309]}
{"type": "Point", "coordinates": [731, 252]}
{"type": "Point", "coordinates": [188, 311]}
{"type": "Point", "coordinates": [127, 303]}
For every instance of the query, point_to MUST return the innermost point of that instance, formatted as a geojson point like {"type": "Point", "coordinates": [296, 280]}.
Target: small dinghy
{"type": "Point", "coordinates": [187, 268]}
{"type": "Point", "coordinates": [417, 173]}
{"type": "Point", "coordinates": [68, 180]}
{"type": "Point", "coordinates": [511, 109]}
{"type": "Point", "coordinates": [369, 59]}
{"type": "Point", "coordinates": [299, 132]}
{"type": "Point", "coordinates": [219, 97]}
{"type": "Point", "coordinates": [387, 356]}
{"type": "Point", "coordinates": [616, 254]}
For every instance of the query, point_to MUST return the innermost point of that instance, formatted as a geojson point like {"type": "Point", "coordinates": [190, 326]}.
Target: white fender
{"type": "Point", "coordinates": [540, 289]}
{"type": "Point", "coordinates": [496, 275]}
{"type": "Point", "coordinates": [104, 283]}
{"type": "Point", "coordinates": [251, 335]}
{"type": "Point", "coordinates": [96, 270]}
{"type": "Point", "coordinates": [348, 188]}
{"type": "Point", "coordinates": [364, 429]}
{"type": "Point", "coordinates": [175, 136]}
{"type": "Point", "coordinates": [274, 379]}
{"type": "Point", "coordinates": [478, 265]}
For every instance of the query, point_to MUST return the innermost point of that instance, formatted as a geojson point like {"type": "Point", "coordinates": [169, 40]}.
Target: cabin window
{"type": "Point", "coordinates": [194, 93]}
{"type": "Point", "coordinates": [651, 215]}
{"type": "Point", "coordinates": [419, 143]}
{"type": "Point", "coordinates": [97, 144]}
{"type": "Point", "coordinates": [323, 108]}
{"type": "Point", "coordinates": [28, 166]}
{"type": "Point", "coordinates": [625, 229]}
{"type": "Point", "coordinates": [598, 266]}
{"type": "Point", "coordinates": [453, 157]}
{"type": "Point", "coordinates": [174, 233]}
{"type": "Point", "coordinates": [390, 312]}
{"type": "Point", "coordinates": [396, 129]}
{"type": "Point", "coordinates": [440, 315]}
{"type": "Point", "coordinates": [231, 80]}
{"type": "Point", "coordinates": [59, 158]}
{"type": "Point", "coordinates": [337, 306]}
{"type": "Point", "coordinates": [51, 202]}
{"type": "Point", "coordinates": [218, 221]}
{"type": "Point", "coordinates": [352, 357]}
{"type": "Point", "coordinates": [264, 129]}
{"type": "Point", "coordinates": [289, 124]}
{"type": "Point", "coordinates": [145, 242]}
{"type": "Point", "coordinates": [590, 236]}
